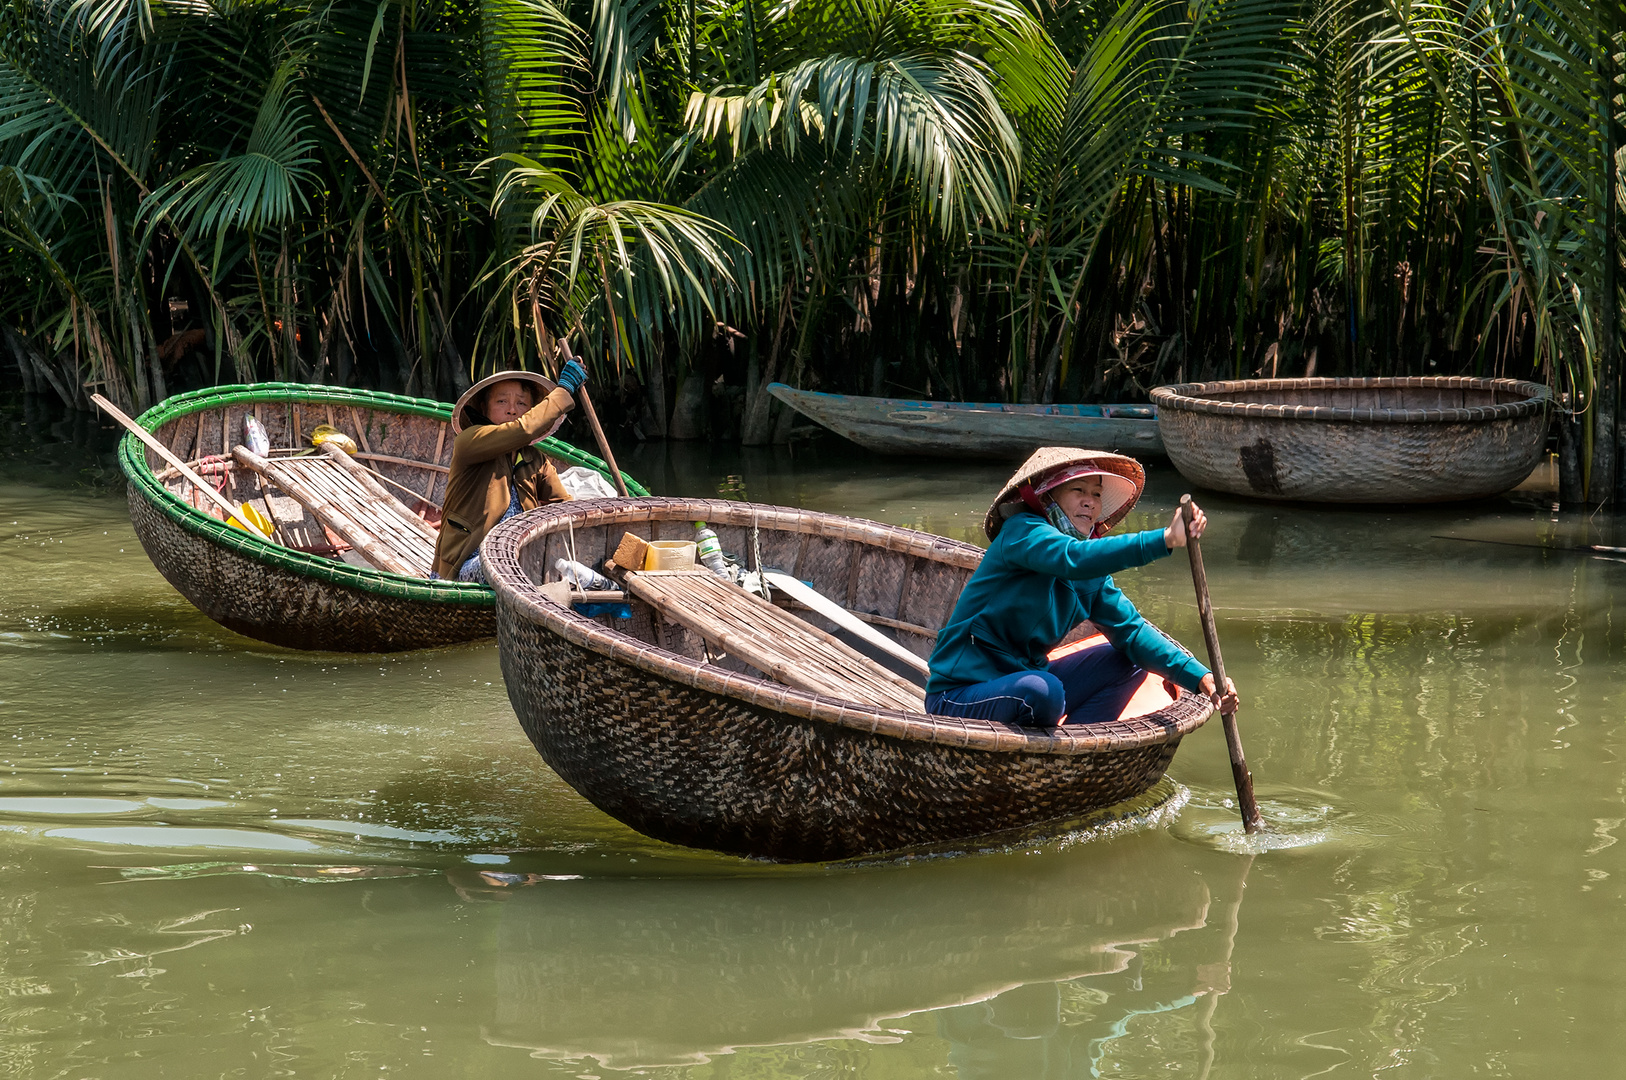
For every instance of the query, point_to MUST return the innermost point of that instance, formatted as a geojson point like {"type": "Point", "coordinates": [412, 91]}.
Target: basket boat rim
{"type": "Point", "coordinates": [499, 554]}
{"type": "Point", "coordinates": [1196, 398]}
{"type": "Point", "coordinates": [133, 460]}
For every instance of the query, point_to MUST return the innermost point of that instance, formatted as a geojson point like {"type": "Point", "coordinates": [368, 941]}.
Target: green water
{"type": "Point", "coordinates": [219, 859]}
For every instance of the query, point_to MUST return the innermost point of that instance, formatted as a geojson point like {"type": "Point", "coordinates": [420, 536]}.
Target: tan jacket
{"type": "Point", "coordinates": [486, 459]}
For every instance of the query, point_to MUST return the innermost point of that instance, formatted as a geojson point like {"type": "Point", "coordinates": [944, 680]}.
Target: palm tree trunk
{"type": "Point", "coordinates": [1571, 487]}
{"type": "Point", "coordinates": [654, 376]}
{"type": "Point", "coordinates": [756, 428]}
{"type": "Point", "coordinates": [1608, 468]}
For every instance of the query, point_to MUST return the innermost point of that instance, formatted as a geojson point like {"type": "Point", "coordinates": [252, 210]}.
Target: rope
{"type": "Point", "coordinates": [756, 557]}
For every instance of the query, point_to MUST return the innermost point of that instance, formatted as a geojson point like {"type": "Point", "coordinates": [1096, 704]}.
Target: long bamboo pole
{"type": "Point", "coordinates": [178, 465]}
{"type": "Point", "coordinates": [1251, 821]}
{"type": "Point", "coordinates": [598, 432]}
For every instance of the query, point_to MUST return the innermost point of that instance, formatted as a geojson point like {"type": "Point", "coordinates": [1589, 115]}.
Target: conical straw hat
{"type": "Point", "coordinates": [1123, 479]}
{"type": "Point", "coordinates": [472, 394]}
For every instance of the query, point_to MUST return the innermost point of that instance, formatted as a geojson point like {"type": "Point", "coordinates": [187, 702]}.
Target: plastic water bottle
{"type": "Point", "coordinates": [254, 436]}
{"type": "Point", "coordinates": [583, 577]}
{"type": "Point", "coordinates": [709, 550]}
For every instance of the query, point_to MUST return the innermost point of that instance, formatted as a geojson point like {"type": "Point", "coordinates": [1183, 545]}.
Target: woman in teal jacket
{"type": "Point", "coordinates": [1047, 570]}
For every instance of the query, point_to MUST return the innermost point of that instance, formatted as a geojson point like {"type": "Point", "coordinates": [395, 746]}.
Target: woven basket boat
{"type": "Point", "coordinates": [304, 599]}
{"type": "Point", "coordinates": [1401, 440]}
{"type": "Point", "coordinates": [705, 752]}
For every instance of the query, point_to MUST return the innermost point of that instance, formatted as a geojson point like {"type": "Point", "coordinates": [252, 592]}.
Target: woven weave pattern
{"type": "Point", "coordinates": [1409, 440]}
{"type": "Point", "coordinates": [265, 601]}
{"type": "Point", "coordinates": [695, 754]}
{"type": "Point", "coordinates": [274, 593]}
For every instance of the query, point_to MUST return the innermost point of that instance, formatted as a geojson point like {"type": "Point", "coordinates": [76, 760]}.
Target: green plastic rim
{"type": "Point", "coordinates": [133, 459]}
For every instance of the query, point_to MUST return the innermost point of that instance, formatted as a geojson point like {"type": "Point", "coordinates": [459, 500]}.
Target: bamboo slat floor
{"type": "Point", "coordinates": [342, 496]}
{"type": "Point", "coordinates": [775, 642]}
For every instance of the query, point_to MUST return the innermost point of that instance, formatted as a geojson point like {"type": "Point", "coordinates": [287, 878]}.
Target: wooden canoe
{"type": "Point", "coordinates": [699, 749]}
{"type": "Point", "coordinates": [976, 429]}
{"type": "Point", "coordinates": [301, 592]}
{"type": "Point", "coordinates": [1399, 440]}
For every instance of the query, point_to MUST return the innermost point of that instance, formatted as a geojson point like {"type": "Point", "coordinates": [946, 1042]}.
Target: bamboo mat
{"type": "Point", "coordinates": [772, 640]}
{"type": "Point", "coordinates": [348, 500]}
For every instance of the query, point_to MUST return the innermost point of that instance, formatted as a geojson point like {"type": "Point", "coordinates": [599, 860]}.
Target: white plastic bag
{"type": "Point", "coordinates": [584, 483]}
{"type": "Point", "coordinates": [254, 436]}
{"type": "Point", "coordinates": [583, 577]}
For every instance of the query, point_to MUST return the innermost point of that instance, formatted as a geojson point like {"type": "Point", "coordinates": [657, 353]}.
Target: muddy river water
{"type": "Point", "coordinates": [222, 859]}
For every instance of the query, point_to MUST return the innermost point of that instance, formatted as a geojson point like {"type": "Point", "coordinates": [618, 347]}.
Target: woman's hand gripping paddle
{"type": "Point", "coordinates": [1251, 821]}
{"type": "Point", "coordinates": [598, 432]}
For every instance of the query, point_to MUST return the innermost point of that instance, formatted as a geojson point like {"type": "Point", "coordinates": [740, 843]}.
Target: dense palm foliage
{"type": "Point", "coordinates": [952, 198]}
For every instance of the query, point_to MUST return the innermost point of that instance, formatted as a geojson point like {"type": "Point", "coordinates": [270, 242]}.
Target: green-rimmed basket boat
{"type": "Point", "coordinates": [303, 595]}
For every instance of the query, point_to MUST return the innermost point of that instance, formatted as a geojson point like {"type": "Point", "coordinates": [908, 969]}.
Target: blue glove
{"type": "Point", "coordinates": [571, 376]}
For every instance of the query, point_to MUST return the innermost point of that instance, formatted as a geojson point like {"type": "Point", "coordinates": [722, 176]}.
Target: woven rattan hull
{"type": "Point", "coordinates": [1355, 440]}
{"type": "Point", "coordinates": [268, 591]}
{"type": "Point", "coordinates": [301, 611]}
{"type": "Point", "coordinates": [693, 753]}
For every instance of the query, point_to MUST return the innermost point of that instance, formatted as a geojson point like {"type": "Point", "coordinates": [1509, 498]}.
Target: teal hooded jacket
{"type": "Point", "coordinates": [1034, 585]}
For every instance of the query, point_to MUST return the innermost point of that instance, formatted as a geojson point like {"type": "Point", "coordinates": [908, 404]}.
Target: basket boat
{"type": "Point", "coordinates": [703, 751]}
{"type": "Point", "coordinates": [1395, 440]}
{"type": "Point", "coordinates": [303, 599]}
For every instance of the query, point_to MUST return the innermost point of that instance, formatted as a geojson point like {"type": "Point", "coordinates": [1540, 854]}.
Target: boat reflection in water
{"type": "Point", "coordinates": [643, 972]}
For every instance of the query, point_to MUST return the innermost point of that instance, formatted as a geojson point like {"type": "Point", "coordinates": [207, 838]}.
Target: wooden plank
{"type": "Point", "coordinates": [367, 455]}
{"type": "Point", "coordinates": [843, 618]}
{"type": "Point", "coordinates": [873, 620]}
{"type": "Point", "coordinates": [366, 479]}
{"type": "Point", "coordinates": [360, 525]}
{"type": "Point", "coordinates": [361, 431]}
{"type": "Point", "coordinates": [318, 498]}
{"type": "Point", "coordinates": [440, 441]}
{"type": "Point", "coordinates": [180, 466]}
{"type": "Point", "coordinates": [801, 555]}
{"type": "Point", "coordinates": [911, 563]}
{"type": "Point", "coordinates": [332, 487]}
{"type": "Point", "coordinates": [391, 522]}
{"type": "Point", "coordinates": [774, 642]}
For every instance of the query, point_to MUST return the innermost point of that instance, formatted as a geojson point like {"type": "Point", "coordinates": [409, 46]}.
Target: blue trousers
{"type": "Point", "coordinates": [1091, 684]}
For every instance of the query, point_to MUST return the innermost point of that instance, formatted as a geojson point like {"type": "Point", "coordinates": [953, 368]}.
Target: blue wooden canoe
{"type": "Point", "coordinates": [976, 429]}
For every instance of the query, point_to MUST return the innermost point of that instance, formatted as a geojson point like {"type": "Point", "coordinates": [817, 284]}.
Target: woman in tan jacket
{"type": "Point", "coordinates": [495, 471]}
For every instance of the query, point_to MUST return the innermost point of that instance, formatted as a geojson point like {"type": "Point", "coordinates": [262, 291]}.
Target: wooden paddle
{"type": "Point", "coordinates": [178, 465]}
{"type": "Point", "coordinates": [1251, 821]}
{"type": "Point", "coordinates": [598, 432]}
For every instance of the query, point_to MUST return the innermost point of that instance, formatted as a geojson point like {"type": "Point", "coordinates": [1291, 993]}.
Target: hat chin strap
{"type": "Point", "coordinates": [1098, 530]}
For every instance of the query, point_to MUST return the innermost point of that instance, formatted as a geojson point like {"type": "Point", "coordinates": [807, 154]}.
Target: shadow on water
{"type": "Point", "coordinates": [45, 444]}
{"type": "Point", "coordinates": [132, 623]}
{"type": "Point", "coordinates": [1014, 956]}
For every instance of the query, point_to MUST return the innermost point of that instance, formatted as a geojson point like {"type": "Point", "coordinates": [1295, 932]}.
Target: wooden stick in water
{"type": "Point", "coordinates": [1251, 821]}
{"type": "Point", "coordinates": [1584, 549]}
{"type": "Point", "coordinates": [177, 464]}
{"type": "Point", "coordinates": [598, 432]}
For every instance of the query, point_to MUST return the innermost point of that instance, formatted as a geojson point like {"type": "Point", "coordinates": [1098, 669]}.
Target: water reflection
{"type": "Point", "coordinates": [1025, 965]}
{"type": "Point", "coordinates": [1440, 718]}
